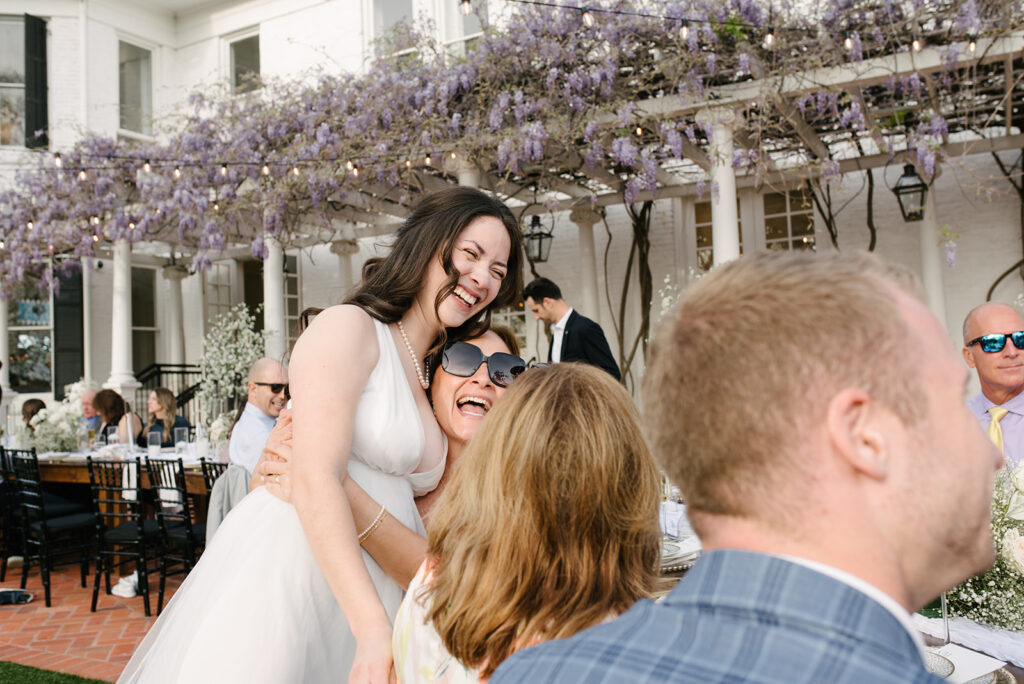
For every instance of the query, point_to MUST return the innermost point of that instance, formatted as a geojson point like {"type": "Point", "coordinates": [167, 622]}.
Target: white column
{"type": "Point", "coordinates": [273, 299]}
{"type": "Point", "coordinates": [87, 266]}
{"type": "Point", "coordinates": [585, 218]}
{"type": "Point", "coordinates": [345, 249]}
{"type": "Point", "coordinates": [7, 403]}
{"type": "Point", "coordinates": [122, 377]}
{"type": "Point", "coordinates": [174, 274]}
{"type": "Point", "coordinates": [467, 172]}
{"type": "Point", "coordinates": [932, 258]}
{"type": "Point", "coordinates": [724, 222]}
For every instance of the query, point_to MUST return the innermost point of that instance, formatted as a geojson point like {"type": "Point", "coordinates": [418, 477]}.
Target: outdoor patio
{"type": "Point", "coordinates": [67, 637]}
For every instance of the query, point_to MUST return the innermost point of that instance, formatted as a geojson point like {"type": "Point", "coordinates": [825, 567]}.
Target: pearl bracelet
{"type": "Point", "coordinates": [374, 525]}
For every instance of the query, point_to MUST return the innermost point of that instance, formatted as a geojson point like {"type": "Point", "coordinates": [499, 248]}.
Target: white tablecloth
{"type": "Point", "coordinates": [998, 643]}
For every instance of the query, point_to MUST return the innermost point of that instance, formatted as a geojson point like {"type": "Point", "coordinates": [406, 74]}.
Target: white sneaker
{"type": "Point", "coordinates": [127, 587]}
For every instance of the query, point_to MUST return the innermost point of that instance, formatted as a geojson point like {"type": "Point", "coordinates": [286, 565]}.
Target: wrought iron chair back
{"type": "Point", "coordinates": [181, 536]}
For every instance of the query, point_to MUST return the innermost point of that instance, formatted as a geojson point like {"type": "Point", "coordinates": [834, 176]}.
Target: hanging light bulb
{"type": "Point", "coordinates": [146, 166]}
{"type": "Point", "coordinates": [95, 237]}
{"type": "Point", "coordinates": [131, 225]}
{"type": "Point", "coordinates": [588, 18]}
{"type": "Point", "coordinates": [177, 172]}
{"type": "Point", "coordinates": [82, 176]}
{"type": "Point", "coordinates": [769, 37]}
{"type": "Point", "coordinates": [848, 41]}
{"type": "Point", "coordinates": [408, 164]}
{"type": "Point", "coordinates": [31, 226]}
{"type": "Point", "coordinates": [466, 6]}
{"type": "Point", "coordinates": [427, 160]}
{"type": "Point", "coordinates": [265, 170]}
{"type": "Point", "coordinates": [684, 29]}
{"type": "Point", "coordinates": [1, 244]}
{"type": "Point", "coordinates": [639, 130]}
{"type": "Point", "coordinates": [58, 161]}
{"type": "Point", "coordinates": [915, 44]}
{"type": "Point", "coordinates": [454, 155]}
{"type": "Point", "coordinates": [349, 165]}
{"type": "Point", "coordinates": [50, 246]}
{"type": "Point", "coordinates": [295, 171]}
{"type": "Point", "coordinates": [95, 220]}
{"type": "Point", "coordinates": [355, 173]}
{"type": "Point", "coordinates": [216, 206]}
{"type": "Point", "coordinates": [972, 43]}
{"type": "Point", "coordinates": [223, 169]}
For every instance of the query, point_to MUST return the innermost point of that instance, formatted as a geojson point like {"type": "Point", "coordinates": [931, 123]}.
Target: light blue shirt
{"type": "Point", "coordinates": [249, 437]}
{"type": "Point", "coordinates": [1012, 423]}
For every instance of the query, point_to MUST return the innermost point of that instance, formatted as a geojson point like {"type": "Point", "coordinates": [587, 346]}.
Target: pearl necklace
{"type": "Point", "coordinates": [424, 380]}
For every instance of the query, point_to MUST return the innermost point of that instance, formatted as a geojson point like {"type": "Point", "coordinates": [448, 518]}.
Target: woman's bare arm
{"type": "Point", "coordinates": [330, 367]}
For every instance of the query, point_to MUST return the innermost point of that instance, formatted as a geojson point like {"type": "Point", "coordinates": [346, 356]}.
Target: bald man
{"type": "Point", "coordinates": [268, 394]}
{"type": "Point", "coordinates": [990, 349]}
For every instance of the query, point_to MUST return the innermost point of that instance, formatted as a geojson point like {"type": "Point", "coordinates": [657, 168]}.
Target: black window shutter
{"type": "Point", "coordinates": [36, 118]}
{"type": "Point", "coordinates": [68, 351]}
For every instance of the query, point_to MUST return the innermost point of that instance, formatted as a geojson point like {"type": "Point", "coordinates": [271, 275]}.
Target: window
{"type": "Point", "coordinates": [245, 64]}
{"type": "Point", "coordinates": [705, 249]}
{"type": "Point", "coordinates": [30, 329]}
{"type": "Point", "coordinates": [218, 291]}
{"type": "Point", "coordinates": [788, 220]}
{"type": "Point", "coordinates": [387, 14]}
{"type": "Point", "coordinates": [513, 317]}
{"type": "Point", "coordinates": [143, 317]}
{"type": "Point", "coordinates": [292, 305]}
{"type": "Point", "coordinates": [23, 108]}
{"type": "Point", "coordinates": [135, 81]}
{"type": "Point", "coordinates": [463, 30]}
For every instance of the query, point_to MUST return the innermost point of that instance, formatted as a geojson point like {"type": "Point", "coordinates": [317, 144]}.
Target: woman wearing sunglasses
{"type": "Point", "coordinates": [284, 593]}
{"type": "Point", "coordinates": [546, 528]}
{"type": "Point", "coordinates": [472, 376]}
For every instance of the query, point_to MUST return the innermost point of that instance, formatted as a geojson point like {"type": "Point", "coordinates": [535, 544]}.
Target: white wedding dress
{"type": "Point", "coordinates": [257, 608]}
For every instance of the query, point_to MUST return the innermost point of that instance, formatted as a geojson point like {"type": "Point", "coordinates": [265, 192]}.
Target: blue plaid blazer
{"type": "Point", "coordinates": [736, 617]}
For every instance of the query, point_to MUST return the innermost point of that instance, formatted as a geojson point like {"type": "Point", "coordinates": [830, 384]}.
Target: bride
{"type": "Point", "coordinates": [284, 593]}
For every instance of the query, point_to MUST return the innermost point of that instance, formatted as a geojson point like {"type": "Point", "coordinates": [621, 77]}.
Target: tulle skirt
{"type": "Point", "coordinates": [257, 608]}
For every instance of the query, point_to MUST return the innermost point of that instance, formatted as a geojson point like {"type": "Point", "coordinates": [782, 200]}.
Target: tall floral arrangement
{"type": "Point", "coordinates": [996, 597]}
{"type": "Point", "coordinates": [55, 428]}
{"type": "Point", "coordinates": [230, 347]}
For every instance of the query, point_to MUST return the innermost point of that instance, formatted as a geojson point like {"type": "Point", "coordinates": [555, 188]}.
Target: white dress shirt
{"type": "Point", "coordinates": [249, 437]}
{"type": "Point", "coordinates": [557, 331]}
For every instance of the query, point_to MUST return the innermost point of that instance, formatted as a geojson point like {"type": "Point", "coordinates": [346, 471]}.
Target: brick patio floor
{"type": "Point", "coordinates": [66, 637]}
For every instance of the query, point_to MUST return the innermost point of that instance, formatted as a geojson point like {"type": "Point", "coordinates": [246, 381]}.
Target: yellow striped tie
{"type": "Point", "coordinates": [995, 433]}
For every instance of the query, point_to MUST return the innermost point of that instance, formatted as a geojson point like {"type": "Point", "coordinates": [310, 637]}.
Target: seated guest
{"type": "Point", "coordinates": [268, 393]}
{"type": "Point", "coordinates": [163, 417]}
{"type": "Point", "coordinates": [90, 417]}
{"type": "Point", "coordinates": [113, 411]}
{"type": "Point", "coordinates": [546, 528]}
{"type": "Point", "coordinates": [810, 407]}
{"type": "Point", "coordinates": [29, 409]}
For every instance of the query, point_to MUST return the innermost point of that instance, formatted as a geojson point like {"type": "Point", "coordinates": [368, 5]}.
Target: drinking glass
{"type": "Point", "coordinates": [180, 440]}
{"type": "Point", "coordinates": [112, 437]}
{"type": "Point", "coordinates": [154, 439]}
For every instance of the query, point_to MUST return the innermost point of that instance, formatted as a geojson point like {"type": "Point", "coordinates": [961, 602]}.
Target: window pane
{"type": "Point", "coordinates": [12, 115]}
{"type": "Point", "coordinates": [291, 285]}
{"type": "Point", "coordinates": [12, 50]}
{"type": "Point", "coordinates": [30, 360]}
{"type": "Point", "coordinates": [803, 224]}
{"type": "Point", "coordinates": [702, 212]}
{"type": "Point", "coordinates": [387, 13]}
{"type": "Point", "coordinates": [293, 306]}
{"type": "Point", "coordinates": [778, 246]}
{"type": "Point", "coordinates": [143, 298]}
{"type": "Point", "coordinates": [245, 64]}
{"type": "Point", "coordinates": [775, 228]}
{"type": "Point", "coordinates": [471, 23]}
{"type": "Point", "coordinates": [135, 83]}
{"type": "Point", "coordinates": [774, 203]}
{"type": "Point", "coordinates": [806, 243]}
{"type": "Point", "coordinates": [799, 200]}
{"type": "Point", "coordinates": [703, 236]}
{"type": "Point", "coordinates": [143, 349]}
{"type": "Point", "coordinates": [705, 258]}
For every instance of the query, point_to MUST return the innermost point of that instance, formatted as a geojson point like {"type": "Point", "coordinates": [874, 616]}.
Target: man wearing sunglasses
{"type": "Point", "coordinates": [268, 394]}
{"type": "Point", "coordinates": [994, 347]}
{"type": "Point", "coordinates": [573, 337]}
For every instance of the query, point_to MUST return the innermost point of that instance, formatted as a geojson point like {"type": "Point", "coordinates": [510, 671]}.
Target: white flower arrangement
{"type": "Point", "coordinates": [56, 428]}
{"type": "Point", "coordinates": [220, 430]}
{"type": "Point", "coordinates": [229, 348]}
{"type": "Point", "coordinates": [996, 597]}
{"type": "Point", "coordinates": [669, 292]}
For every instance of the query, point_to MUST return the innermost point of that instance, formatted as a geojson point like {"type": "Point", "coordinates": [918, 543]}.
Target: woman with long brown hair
{"type": "Point", "coordinates": [283, 593]}
{"type": "Point", "coordinates": [162, 408]}
{"type": "Point", "coordinates": [548, 526]}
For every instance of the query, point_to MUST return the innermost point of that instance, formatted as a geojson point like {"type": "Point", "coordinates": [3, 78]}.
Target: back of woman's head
{"type": "Point", "coordinates": [390, 284]}
{"type": "Point", "coordinates": [550, 522]}
{"type": "Point", "coordinates": [110, 405]}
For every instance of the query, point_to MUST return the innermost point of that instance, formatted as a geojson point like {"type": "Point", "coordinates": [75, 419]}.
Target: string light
{"type": "Point", "coordinates": [769, 37]}
{"type": "Point", "coordinates": [177, 172]}
{"type": "Point", "coordinates": [466, 6]}
{"type": "Point", "coordinates": [684, 29]}
{"type": "Point", "coordinates": [147, 167]}
{"type": "Point", "coordinates": [82, 175]}
{"type": "Point", "coordinates": [58, 162]}
{"type": "Point", "coordinates": [1, 244]}
{"type": "Point", "coordinates": [216, 206]}
{"type": "Point", "coordinates": [31, 226]}
{"type": "Point", "coordinates": [588, 18]}
{"type": "Point", "coordinates": [223, 169]}
{"type": "Point", "coordinates": [355, 172]}
{"type": "Point", "coordinates": [408, 164]}
{"type": "Point", "coordinates": [639, 130]}
{"type": "Point", "coordinates": [95, 238]}
{"type": "Point", "coordinates": [349, 165]}
{"type": "Point", "coordinates": [972, 43]}
{"type": "Point", "coordinates": [848, 41]}
{"type": "Point", "coordinates": [916, 44]}
{"type": "Point", "coordinates": [265, 170]}
{"type": "Point", "coordinates": [95, 220]}
{"type": "Point", "coordinates": [295, 171]}
{"type": "Point", "coordinates": [454, 156]}
{"type": "Point", "coordinates": [427, 160]}
{"type": "Point", "coordinates": [131, 224]}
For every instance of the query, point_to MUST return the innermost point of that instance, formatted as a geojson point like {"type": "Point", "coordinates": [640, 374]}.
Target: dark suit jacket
{"type": "Point", "coordinates": [583, 340]}
{"type": "Point", "coordinates": [736, 616]}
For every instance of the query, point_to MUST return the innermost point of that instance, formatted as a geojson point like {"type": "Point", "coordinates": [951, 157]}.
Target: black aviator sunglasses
{"type": "Point", "coordinates": [276, 387]}
{"type": "Point", "coordinates": [462, 359]}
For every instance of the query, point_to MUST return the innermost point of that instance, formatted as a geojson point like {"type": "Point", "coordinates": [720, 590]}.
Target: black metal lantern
{"type": "Point", "coordinates": [910, 192]}
{"type": "Point", "coordinates": [538, 240]}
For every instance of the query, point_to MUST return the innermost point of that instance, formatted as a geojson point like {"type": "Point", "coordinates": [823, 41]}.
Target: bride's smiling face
{"type": "Point", "coordinates": [480, 256]}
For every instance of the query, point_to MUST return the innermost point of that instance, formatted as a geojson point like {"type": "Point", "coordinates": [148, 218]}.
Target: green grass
{"type": "Point", "coordinates": [21, 674]}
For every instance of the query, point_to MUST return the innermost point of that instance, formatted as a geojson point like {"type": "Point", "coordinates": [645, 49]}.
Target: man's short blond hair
{"type": "Point", "coordinates": [744, 367]}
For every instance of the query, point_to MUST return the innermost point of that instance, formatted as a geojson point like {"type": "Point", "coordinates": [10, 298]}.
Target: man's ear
{"type": "Point", "coordinates": [968, 356]}
{"type": "Point", "coordinates": [854, 430]}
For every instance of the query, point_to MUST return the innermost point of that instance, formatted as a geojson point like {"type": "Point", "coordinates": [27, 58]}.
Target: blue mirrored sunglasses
{"type": "Point", "coordinates": [996, 342]}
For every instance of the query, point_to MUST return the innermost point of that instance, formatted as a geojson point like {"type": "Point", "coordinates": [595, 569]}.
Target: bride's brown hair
{"type": "Point", "coordinates": [390, 283]}
{"type": "Point", "coordinates": [550, 522]}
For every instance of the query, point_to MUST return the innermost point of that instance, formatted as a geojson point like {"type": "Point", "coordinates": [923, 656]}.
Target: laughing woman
{"type": "Point", "coordinates": [360, 410]}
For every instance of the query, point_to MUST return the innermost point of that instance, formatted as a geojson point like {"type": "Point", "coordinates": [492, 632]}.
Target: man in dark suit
{"type": "Point", "coordinates": [810, 407]}
{"type": "Point", "coordinates": [573, 337]}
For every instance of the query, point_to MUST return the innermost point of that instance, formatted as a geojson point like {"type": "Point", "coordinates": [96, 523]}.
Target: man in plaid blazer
{"type": "Point", "coordinates": [810, 408]}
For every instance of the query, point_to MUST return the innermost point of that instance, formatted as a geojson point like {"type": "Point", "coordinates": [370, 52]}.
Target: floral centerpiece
{"type": "Point", "coordinates": [230, 347]}
{"type": "Point", "coordinates": [996, 597]}
{"type": "Point", "coordinates": [56, 428]}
